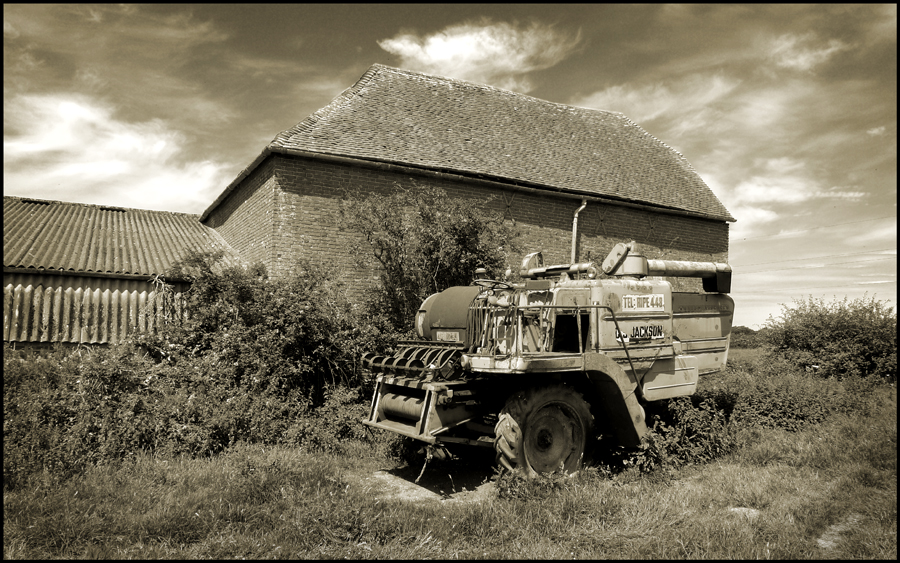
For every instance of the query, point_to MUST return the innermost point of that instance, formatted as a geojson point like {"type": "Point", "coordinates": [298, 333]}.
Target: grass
{"type": "Point", "coordinates": [803, 490]}
{"type": "Point", "coordinates": [832, 484]}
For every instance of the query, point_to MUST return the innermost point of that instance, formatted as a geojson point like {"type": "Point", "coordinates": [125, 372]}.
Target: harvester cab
{"type": "Point", "coordinates": [541, 369]}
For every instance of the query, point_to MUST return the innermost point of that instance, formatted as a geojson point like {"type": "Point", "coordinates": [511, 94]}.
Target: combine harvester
{"type": "Point", "coordinates": [547, 369]}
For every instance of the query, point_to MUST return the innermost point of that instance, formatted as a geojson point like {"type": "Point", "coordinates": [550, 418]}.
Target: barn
{"type": "Point", "coordinates": [537, 162]}
{"type": "Point", "coordinates": [575, 181]}
{"type": "Point", "coordinates": [83, 274]}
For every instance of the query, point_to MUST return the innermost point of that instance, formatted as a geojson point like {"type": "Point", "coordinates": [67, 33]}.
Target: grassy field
{"type": "Point", "coordinates": [828, 490]}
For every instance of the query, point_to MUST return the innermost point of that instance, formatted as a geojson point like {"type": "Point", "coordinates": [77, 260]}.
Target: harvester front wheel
{"type": "Point", "coordinates": [544, 429]}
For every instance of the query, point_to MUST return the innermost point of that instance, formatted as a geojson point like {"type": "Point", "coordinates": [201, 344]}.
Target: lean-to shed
{"type": "Point", "coordinates": [81, 273]}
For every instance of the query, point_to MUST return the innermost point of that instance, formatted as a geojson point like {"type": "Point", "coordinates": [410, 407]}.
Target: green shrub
{"type": "Point", "coordinates": [743, 337]}
{"type": "Point", "coordinates": [682, 432]}
{"type": "Point", "coordinates": [423, 242]}
{"type": "Point", "coordinates": [72, 409]}
{"type": "Point", "coordinates": [256, 361]}
{"type": "Point", "coordinates": [272, 335]}
{"type": "Point", "coordinates": [839, 339]}
{"type": "Point", "coordinates": [768, 391]}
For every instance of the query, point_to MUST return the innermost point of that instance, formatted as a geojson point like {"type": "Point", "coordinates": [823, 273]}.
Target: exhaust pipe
{"type": "Point", "coordinates": [575, 227]}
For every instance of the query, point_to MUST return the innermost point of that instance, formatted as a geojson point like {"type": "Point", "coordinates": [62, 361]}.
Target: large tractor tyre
{"type": "Point", "coordinates": [544, 429]}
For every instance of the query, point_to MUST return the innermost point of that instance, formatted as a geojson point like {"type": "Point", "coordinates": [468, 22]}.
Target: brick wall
{"type": "Point", "coordinates": [305, 198]}
{"type": "Point", "coordinates": [246, 218]}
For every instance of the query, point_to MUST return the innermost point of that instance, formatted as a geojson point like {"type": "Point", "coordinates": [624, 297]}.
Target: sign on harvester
{"type": "Point", "coordinates": [447, 336]}
{"type": "Point", "coordinates": [647, 332]}
{"type": "Point", "coordinates": [651, 302]}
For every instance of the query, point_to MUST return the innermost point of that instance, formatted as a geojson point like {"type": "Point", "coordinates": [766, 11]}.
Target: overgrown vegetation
{"type": "Point", "coordinates": [198, 443]}
{"type": "Point", "coordinates": [743, 337]}
{"type": "Point", "coordinates": [826, 491]}
{"type": "Point", "coordinates": [847, 338]}
{"type": "Point", "coordinates": [258, 361]}
{"type": "Point", "coordinates": [424, 242]}
{"type": "Point", "coordinates": [776, 387]}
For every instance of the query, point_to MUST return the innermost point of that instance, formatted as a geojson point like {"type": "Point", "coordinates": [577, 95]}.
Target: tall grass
{"type": "Point", "coordinates": [825, 489]}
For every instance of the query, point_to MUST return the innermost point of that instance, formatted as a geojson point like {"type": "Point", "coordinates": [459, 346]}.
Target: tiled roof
{"type": "Point", "coordinates": [410, 118]}
{"type": "Point", "coordinates": [75, 237]}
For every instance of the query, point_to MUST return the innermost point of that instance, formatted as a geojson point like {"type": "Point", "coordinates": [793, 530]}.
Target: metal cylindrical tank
{"type": "Point", "coordinates": [443, 316]}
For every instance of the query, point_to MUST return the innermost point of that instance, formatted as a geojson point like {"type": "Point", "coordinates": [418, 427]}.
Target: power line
{"type": "Point", "coordinates": [820, 267]}
{"type": "Point", "coordinates": [822, 227]}
{"type": "Point", "coordinates": [812, 258]}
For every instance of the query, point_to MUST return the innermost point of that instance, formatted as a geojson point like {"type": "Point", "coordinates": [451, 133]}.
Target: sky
{"type": "Point", "coordinates": [787, 112]}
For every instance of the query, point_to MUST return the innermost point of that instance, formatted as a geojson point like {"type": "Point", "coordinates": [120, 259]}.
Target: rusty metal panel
{"type": "Point", "coordinates": [74, 309]}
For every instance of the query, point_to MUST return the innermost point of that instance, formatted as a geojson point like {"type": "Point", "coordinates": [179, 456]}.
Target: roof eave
{"type": "Point", "coordinates": [493, 180]}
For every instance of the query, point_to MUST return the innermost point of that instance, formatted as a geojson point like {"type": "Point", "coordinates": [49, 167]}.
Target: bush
{"type": "Point", "coordinates": [743, 337]}
{"type": "Point", "coordinates": [424, 241]}
{"type": "Point", "coordinates": [683, 431]}
{"type": "Point", "coordinates": [256, 361]}
{"type": "Point", "coordinates": [760, 390]}
{"type": "Point", "coordinates": [274, 336]}
{"type": "Point", "coordinates": [840, 339]}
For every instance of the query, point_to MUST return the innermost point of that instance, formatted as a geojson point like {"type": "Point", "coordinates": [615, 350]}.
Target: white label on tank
{"type": "Point", "coordinates": [448, 336]}
{"type": "Point", "coordinates": [646, 302]}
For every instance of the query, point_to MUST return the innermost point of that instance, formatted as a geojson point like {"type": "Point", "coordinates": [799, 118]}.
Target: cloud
{"type": "Point", "coordinates": [749, 218]}
{"type": "Point", "coordinates": [884, 233]}
{"type": "Point", "coordinates": [692, 98]}
{"type": "Point", "coordinates": [876, 131]}
{"type": "Point", "coordinates": [146, 61]}
{"type": "Point", "coordinates": [785, 180]}
{"type": "Point", "coordinates": [499, 54]}
{"type": "Point", "coordinates": [800, 52]}
{"type": "Point", "coordinates": [74, 147]}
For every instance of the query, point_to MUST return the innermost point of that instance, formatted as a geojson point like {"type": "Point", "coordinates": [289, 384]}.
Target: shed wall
{"type": "Point", "coordinates": [75, 309]}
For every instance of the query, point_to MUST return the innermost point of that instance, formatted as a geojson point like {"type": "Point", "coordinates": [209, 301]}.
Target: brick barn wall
{"type": "Point", "coordinates": [246, 218]}
{"type": "Point", "coordinates": [307, 194]}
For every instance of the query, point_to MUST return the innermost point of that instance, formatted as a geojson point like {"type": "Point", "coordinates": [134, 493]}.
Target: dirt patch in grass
{"type": "Point", "coordinates": [450, 481]}
{"type": "Point", "coordinates": [833, 535]}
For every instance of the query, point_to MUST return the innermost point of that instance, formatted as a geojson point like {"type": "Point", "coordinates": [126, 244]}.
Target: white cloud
{"type": "Point", "coordinates": [749, 218]}
{"type": "Point", "coordinates": [798, 52]}
{"type": "Point", "coordinates": [877, 131]}
{"type": "Point", "coordinates": [690, 98]}
{"type": "Point", "coordinates": [885, 233]}
{"type": "Point", "coordinates": [77, 148]}
{"type": "Point", "coordinates": [492, 53]}
{"type": "Point", "coordinates": [774, 189]}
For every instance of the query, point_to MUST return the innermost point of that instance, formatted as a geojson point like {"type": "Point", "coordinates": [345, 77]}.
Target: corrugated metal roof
{"type": "Point", "coordinates": [398, 116]}
{"type": "Point", "coordinates": [76, 237]}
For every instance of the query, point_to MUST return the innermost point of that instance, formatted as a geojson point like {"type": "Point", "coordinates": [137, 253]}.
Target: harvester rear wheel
{"type": "Point", "coordinates": [544, 429]}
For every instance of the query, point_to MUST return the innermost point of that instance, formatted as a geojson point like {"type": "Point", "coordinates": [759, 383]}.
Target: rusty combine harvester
{"type": "Point", "coordinates": [546, 369]}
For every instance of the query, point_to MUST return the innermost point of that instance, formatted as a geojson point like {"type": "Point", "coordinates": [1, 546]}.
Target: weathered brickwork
{"type": "Point", "coordinates": [287, 209]}
{"type": "Point", "coordinates": [246, 218]}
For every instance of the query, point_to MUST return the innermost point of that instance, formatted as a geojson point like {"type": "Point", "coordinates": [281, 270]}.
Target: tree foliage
{"type": "Point", "coordinates": [424, 241]}
{"type": "Point", "coordinates": [839, 339]}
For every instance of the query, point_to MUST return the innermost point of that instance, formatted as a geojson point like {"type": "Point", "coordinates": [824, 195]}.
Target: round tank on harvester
{"type": "Point", "coordinates": [444, 316]}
